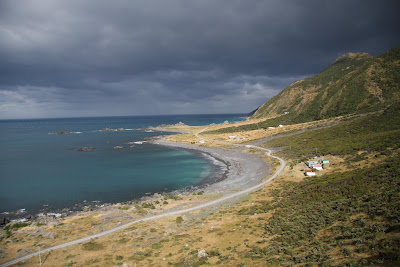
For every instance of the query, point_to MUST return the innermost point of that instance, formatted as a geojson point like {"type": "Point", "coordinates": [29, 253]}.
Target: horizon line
{"type": "Point", "coordinates": [116, 116]}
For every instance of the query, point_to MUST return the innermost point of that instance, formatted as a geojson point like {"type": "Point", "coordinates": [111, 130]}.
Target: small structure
{"type": "Point", "coordinates": [309, 173]}
{"type": "Point", "coordinates": [201, 142]}
{"type": "Point", "coordinates": [308, 163]}
{"type": "Point", "coordinates": [316, 166]}
{"type": "Point", "coordinates": [325, 161]}
{"type": "Point", "coordinates": [280, 125]}
{"type": "Point", "coordinates": [271, 128]}
{"type": "Point", "coordinates": [286, 112]}
{"type": "Point", "coordinates": [232, 136]}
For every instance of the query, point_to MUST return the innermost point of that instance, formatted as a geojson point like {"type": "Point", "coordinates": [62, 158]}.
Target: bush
{"type": "Point", "coordinates": [179, 219]}
{"type": "Point", "coordinates": [92, 246]}
{"type": "Point", "coordinates": [148, 206]}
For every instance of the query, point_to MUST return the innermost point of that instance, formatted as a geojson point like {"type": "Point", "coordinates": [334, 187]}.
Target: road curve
{"type": "Point", "coordinates": [154, 217]}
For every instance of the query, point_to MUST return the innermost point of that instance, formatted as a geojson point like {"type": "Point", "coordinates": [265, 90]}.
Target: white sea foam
{"type": "Point", "coordinates": [139, 142]}
{"type": "Point", "coordinates": [19, 220]}
{"type": "Point", "coordinates": [215, 161]}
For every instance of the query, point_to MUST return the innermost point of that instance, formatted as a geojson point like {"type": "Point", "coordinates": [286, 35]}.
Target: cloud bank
{"type": "Point", "coordinates": [98, 58]}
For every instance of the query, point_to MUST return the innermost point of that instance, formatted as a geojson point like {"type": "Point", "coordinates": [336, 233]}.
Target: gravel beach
{"type": "Point", "coordinates": [244, 170]}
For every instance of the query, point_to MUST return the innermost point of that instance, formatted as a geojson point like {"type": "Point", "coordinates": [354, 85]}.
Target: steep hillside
{"type": "Point", "coordinates": [356, 82]}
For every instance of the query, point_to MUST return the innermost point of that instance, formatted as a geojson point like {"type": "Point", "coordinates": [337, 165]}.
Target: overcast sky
{"type": "Point", "coordinates": [124, 57]}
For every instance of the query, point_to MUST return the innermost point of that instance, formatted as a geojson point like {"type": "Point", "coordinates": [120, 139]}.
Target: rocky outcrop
{"type": "Point", "coordinates": [107, 130]}
{"type": "Point", "coordinates": [4, 220]}
{"type": "Point", "coordinates": [42, 232]}
{"type": "Point", "coordinates": [202, 254]}
{"type": "Point", "coordinates": [83, 149]}
{"type": "Point", "coordinates": [2, 253]}
{"type": "Point", "coordinates": [180, 124]}
{"type": "Point", "coordinates": [110, 130]}
{"type": "Point", "coordinates": [62, 132]}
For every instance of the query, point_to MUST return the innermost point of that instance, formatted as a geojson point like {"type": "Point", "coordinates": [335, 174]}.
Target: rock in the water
{"type": "Point", "coordinates": [118, 147]}
{"type": "Point", "coordinates": [202, 254]}
{"type": "Point", "coordinates": [62, 132]}
{"type": "Point", "coordinates": [83, 149]}
{"type": "Point", "coordinates": [107, 130]}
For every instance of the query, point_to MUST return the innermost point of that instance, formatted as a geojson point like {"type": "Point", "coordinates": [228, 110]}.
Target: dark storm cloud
{"type": "Point", "coordinates": [88, 58]}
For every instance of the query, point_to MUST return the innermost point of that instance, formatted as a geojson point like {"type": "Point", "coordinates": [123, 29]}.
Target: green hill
{"type": "Point", "coordinates": [356, 82]}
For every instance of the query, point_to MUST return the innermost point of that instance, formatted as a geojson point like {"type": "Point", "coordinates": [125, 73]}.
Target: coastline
{"type": "Point", "coordinates": [241, 171]}
{"type": "Point", "coordinates": [241, 180]}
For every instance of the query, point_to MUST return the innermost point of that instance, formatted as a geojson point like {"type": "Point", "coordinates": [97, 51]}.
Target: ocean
{"type": "Point", "coordinates": [40, 171]}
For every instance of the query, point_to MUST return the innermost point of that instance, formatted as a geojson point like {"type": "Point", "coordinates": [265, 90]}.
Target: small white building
{"type": "Point", "coordinates": [309, 173]}
{"type": "Point", "coordinates": [201, 142]}
{"type": "Point", "coordinates": [318, 167]}
{"type": "Point", "coordinates": [232, 136]}
{"type": "Point", "coordinates": [280, 125]}
{"type": "Point", "coordinates": [271, 128]}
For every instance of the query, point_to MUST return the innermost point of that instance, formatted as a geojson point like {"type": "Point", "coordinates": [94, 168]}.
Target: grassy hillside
{"type": "Point", "coordinates": [351, 219]}
{"type": "Point", "coordinates": [374, 133]}
{"type": "Point", "coordinates": [346, 218]}
{"type": "Point", "coordinates": [353, 83]}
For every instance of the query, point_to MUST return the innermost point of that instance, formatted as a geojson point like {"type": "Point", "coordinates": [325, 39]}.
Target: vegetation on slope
{"type": "Point", "coordinates": [253, 126]}
{"type": "Point", "coordinates": [353, 83]}
{"type": "Point", "coordinates": [351, 219]}
{"type": "Point", "coordinates": [372, 133]}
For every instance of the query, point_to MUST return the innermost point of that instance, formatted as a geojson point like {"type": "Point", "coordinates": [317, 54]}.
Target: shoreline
{"type": "Point", "coordinates": [241, 180]}
{"type": "Point", "coordinates": [240, 171]}
{"type": "Point", "coordinates": [244, 170]}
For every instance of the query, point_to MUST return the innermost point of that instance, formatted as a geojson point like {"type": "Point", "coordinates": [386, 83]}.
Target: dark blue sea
{"type": "Point", "coordinates": [40, 170]}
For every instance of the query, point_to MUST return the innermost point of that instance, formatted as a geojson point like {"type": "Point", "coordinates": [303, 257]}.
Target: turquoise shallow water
{"type": "Point", "coordinates": [38, 169]}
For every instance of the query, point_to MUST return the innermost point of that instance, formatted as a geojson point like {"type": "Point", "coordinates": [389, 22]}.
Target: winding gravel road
{"type": "Point", "coordinates": [169, 213]}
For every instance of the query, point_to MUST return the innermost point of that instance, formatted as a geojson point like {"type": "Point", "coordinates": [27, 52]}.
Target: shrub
{"type": "Point", "coordinates": [148, 206]}
{"type": "Point", "coordinates": [92, 246]}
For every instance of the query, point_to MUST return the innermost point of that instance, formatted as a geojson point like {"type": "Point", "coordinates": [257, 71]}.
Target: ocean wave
{"type": "Point", "coordinates": [139, 142]}
{"type": "Point", "coordinates": [19, 220]}
{"type": "Point", "coordinates": [216, 161]}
